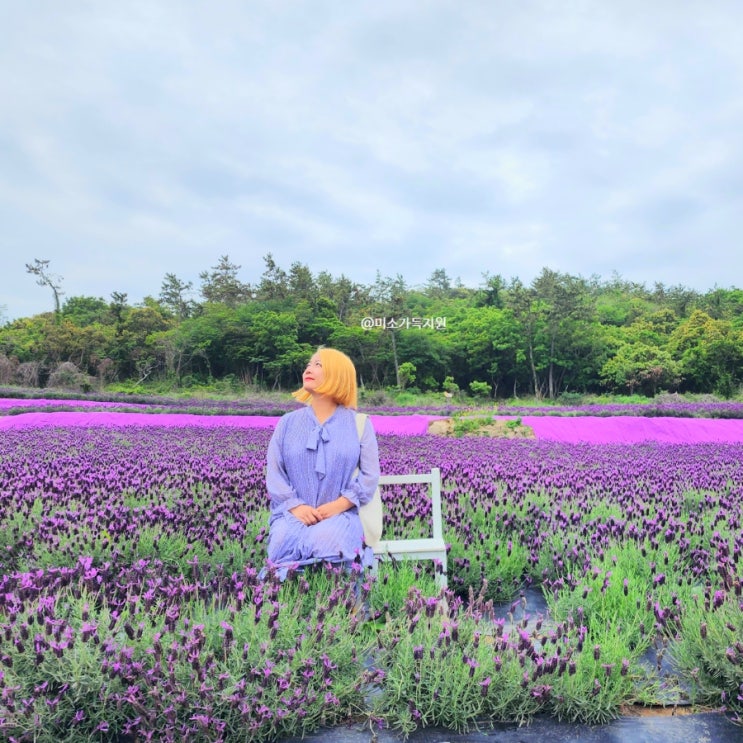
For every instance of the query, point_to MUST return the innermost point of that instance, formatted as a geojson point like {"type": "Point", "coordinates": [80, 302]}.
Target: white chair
{"type": "Point", "coordinates": [428, 548]}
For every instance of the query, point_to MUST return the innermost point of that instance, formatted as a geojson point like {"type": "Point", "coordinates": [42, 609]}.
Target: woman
{"type": "Point", "coordinates": [312, 478]}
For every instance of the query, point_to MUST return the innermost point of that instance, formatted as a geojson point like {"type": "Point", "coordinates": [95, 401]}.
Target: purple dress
{"type": "Point", "coordinates": [314, 463]}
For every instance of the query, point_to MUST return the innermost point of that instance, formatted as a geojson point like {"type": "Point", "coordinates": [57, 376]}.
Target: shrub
{"type": "Point", "coordinates": [68, 377]}
{"type": "Point", "coordinates": [8, 369]}
{"type": "Point", "coordinates": [480, 389]}
{"type": "Point", "coordinates": [375, 398]}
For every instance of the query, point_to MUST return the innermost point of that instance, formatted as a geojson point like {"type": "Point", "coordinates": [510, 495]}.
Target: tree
{"type": "Point", "coordinates": [568, 308]}
{"type": "Point", "coordinates": [388, 295]}
{"type": "Point", "coordinates": [345, 295]}
{"type": "Point", "coordinates": [526, 311]}
{"type": "Point", "coordinates": [486, 346]}
{"type": "Point", "coordinates": [268, 347]}
{"type": "Point", "coordinates": [638, 367]}
{"type": "Point", "coordinates": [118, 307]}
{"type": "Point", "coordinates": [273, 283]}
{"type": "Point", "coordinates": [222, 286]}
{"type": "Point", "coordinates": [407, 374]}
{"type": "Point", "coordinates": [430, 353]}
{"type": "Point", "coordinates": [315, 322]}
{"type": "Point", "coordinates": [724, 304]}
{"type": "Point", "coordinates": [710, 354]}
{"type": "Point", "coordinates": [439, 284]}
{"type": "Point", "coordinates": [198, 344]}
{"type": "Point", "coordinates": [560, 333]}
{"type": "Point", "coordinates": [84, 311]}
{"type": "Point", "coordinates": [136, 340]}
{"type": "Point", "coordinates": [491, 294]}
{"type": "Point", "coordinates": [554, 313]}
{"type": "Point", "coordinates": [174, 294]}
{"type": "Point", "coordinates": [40, 269]}
{"type": "Point", "coordinates": [23, 338]}
{"type": "Point", "coordinates": [679, 299]}
{"type": "Point", "coordinates": [302, 284]}
{"type": "Point", "coordinates": [368, 349]}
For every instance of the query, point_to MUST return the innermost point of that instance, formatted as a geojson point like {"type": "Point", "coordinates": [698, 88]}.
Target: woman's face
{"type": "Point", "coordinates": [313, 374]}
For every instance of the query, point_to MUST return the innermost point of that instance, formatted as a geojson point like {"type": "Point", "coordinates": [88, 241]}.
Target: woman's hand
{"type": "Point", "coordinates": [339, 505]}
{"type": "Point", "coordinates": [308, 515]}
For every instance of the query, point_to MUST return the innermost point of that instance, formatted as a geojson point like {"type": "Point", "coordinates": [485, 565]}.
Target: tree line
{"type": "Point", "coordinates": [559, 334]}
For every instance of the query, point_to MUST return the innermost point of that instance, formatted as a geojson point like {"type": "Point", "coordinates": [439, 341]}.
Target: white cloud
{"type": "Point", "coordinates": [154, 136]}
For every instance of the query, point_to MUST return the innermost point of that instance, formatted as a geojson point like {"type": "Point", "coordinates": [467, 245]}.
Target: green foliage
{"type": "Point", "coordinates": [480, 389]}
{"type": "Point", "coordinates": [710, 650]}
{"type": "Point", "coordinates": [604, 677]}
{"type": "Point", "coordinates": [86, 311]}
{"type": "Point", "coordinates": [513, 424]}
{"type": "Point", "coordinates": [406, 372]}
{"type": "Point", "coordinates": [559, 333]}
{"type": "Point", "coordinates": [616, 592]}
{"type": "Point", "coordinates": [455, 669]}
{"type": "Point", "coordinates": [393, 581]}
{"type": "Point", "coordinates": [466, 426]}
{"type": "Point", "coordinates": [449, 385]}
{"type": "Point", "coordinates": [710, 353]}
{"type": "Point", "coordinates": [485, 558]}
{"type": "Point", "coordinates": [262, 645]}
{"type": "Point", "coordinates": [640, 367]}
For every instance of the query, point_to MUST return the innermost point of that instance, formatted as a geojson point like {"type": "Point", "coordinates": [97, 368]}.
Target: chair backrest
{"type": "Point", "coordinates": [433, 478]}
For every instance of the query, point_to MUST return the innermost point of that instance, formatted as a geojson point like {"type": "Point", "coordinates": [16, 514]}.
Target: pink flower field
{"type": "Point", "coordinates": [634, 429]}
{"type": "Point", "coordinates": [582, 429]}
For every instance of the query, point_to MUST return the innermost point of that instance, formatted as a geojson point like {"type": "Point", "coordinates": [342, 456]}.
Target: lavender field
{"type": "Point", "coordinates": [131, 609]}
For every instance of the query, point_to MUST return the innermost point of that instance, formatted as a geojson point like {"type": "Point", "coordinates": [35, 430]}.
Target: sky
{"type": "Point", "coordinates": [151, 137]}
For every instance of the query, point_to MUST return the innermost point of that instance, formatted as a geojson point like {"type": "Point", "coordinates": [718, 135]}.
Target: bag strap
{"type": "Point", "coordinates": [360, 423]}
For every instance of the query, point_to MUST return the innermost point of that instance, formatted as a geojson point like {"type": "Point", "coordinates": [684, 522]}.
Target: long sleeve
{"type": "Point", "coordinates": [283, 496]}
{"type": "Point", "coordinates": [361, 488]}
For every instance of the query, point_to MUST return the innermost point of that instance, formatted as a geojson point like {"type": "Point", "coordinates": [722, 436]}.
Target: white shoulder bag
{"type": "Point", "coordinates": [371, 512]}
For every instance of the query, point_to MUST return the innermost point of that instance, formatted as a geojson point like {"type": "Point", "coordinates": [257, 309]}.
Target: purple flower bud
{"type": "Point", "coordinates": [228, 632]}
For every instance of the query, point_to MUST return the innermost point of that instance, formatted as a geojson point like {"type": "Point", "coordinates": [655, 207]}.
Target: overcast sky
{"type": "Point", "coordinates": [146, 137]}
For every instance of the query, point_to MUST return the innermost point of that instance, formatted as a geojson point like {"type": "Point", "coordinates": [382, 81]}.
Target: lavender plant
{"type": "Point", "coordinates": [130, 607]}
{"type": "Point", "coordinates": [247, 659]}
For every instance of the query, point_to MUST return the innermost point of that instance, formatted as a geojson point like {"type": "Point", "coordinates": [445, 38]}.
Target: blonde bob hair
{"type": "Point", "coordinates": [339, 379]}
